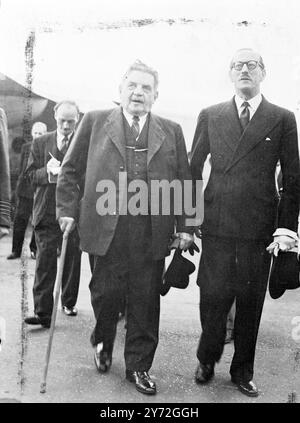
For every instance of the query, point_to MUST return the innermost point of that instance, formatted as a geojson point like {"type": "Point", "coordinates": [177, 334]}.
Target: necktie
{"type": "Point", "coordinates": [135, 127]}
{"type": "Point", "coordinates": [64, 145]}
{"type": "Point", "coordinates": [245, 115]}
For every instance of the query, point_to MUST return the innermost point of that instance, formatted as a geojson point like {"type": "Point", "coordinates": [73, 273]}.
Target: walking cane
{"type": "Point", "coordinates": [54, 311]}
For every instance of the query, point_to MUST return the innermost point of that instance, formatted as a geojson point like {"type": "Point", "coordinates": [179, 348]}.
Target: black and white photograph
{"type": "Point", "coordinates": [149, 205]}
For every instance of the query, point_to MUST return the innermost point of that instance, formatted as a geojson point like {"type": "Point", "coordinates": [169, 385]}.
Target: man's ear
{"type": "Point", "coordinates": [156, 95]}
{"type": "Point", "coordinates": [263, 74]}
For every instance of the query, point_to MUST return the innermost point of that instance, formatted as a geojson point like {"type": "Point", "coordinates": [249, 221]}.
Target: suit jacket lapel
{"type": "Point", "coordinates": [156, 137]}
{"type": "Point", "coordinates": [228, 125]}
{"type": "Point", "coordinates": [115, 130]}
{"type": "Point", "coordinates": [259, 126]}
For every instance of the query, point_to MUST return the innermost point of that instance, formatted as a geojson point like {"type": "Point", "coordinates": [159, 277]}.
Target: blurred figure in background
{"type": "Point", "coordinates": [15, 168]}
{"type": "Point", "coordinates": [24, 194]}
{"type": "Point", "coordinates": [4, 177]}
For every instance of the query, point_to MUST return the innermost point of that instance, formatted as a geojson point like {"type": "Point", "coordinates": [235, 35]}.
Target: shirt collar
{"type": "Point", "coordinates": [129, 117]}
{"type": "Point", "coordinates": [254, 102]}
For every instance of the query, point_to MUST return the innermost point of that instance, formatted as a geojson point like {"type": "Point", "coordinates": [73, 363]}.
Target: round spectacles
{"type": "Point", "coordinates": [251, 65]}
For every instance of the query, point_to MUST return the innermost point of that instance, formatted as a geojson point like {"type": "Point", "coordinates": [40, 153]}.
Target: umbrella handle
{"type": "Point", "coordinates": [54, 310]}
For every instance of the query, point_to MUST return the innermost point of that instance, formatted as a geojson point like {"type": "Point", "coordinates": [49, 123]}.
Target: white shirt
{"type": "Point", "coordinates": [254, 102]}
{"type": "Point", "coordinates": [59, 139]}
{"type": "Point", "coordinates": [129, 119]}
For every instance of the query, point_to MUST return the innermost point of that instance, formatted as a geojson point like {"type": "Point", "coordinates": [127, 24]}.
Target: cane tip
{"type": "Point", "coordinates": [43, 388]}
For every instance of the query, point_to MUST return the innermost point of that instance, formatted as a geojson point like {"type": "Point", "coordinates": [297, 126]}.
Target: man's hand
{"type": "Point", "coordinates": [53, 166]}
{"type": "Point", "coordinates": [52, 163]}
{"type": "Point", "coordinates": [281, 242]}
{"type": "Point", "coordinates": [198, 232]}
{"type": "Point", "coordinates": [67, 224]}
{"type": "Point", "coordinates": [3, 231]}
{"type": "Point", "coordinates": [186, 240]}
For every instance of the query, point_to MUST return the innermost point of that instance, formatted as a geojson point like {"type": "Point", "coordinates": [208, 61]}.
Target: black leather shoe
{"type": "Point", "coordinates": [204, 373]}
{"type": "Point", "coordinates": [13, 256]}
{"type": "Point", "coordinates": [247, 388]}
{"type": "Point", "coordinates": [143, 382]}
{"type": "Point", "coordinates": [72, 311]}
{"type": "Point", "coordinates": [36, 320]}
{"type": "Point", "coordinates": [102, 359]}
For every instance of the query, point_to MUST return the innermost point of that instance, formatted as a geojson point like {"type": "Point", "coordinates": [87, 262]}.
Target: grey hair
{"type": "Point", "coordinates": [41, 124]}
{"type": "Point", "coordinates": [138, 65]}
{"type": "Point", "coordinates": [69, 102]}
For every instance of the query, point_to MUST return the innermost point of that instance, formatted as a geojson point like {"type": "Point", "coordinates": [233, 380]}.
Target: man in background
{"type": "Point", "coordinates": [24, 193]}
{"type": "Point", "coordinates": [4, 177]}
{"type": "Point", "coordinates": [14, 167]}
{"type": "Point", "coordinates": [47, 154]}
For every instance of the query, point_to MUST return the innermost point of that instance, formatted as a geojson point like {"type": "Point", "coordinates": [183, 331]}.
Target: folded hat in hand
{"type": "Point", "coordinates": [177, 274]}
{"type": "Point", "coordinates": [284, 273]}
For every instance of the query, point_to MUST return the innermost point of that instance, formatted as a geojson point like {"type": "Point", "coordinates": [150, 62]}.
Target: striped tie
{"type": "Point", "coordinates": [245, 115]}
{"type": "Point", "coordinates": [135, 127]}
{"type": "Point", "coordinates": [65, 145]}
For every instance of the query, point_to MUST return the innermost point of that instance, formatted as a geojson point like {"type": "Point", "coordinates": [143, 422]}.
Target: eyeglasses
{"type": "Point", "coordinates": [251, 65]}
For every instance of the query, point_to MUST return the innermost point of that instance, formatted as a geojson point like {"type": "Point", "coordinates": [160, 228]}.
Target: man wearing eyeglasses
{"type": "Point", "coordinates": [242, 219]}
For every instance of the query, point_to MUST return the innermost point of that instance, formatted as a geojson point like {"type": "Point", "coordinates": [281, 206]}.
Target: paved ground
{"type": "Point", "coordinates": [72, 376]}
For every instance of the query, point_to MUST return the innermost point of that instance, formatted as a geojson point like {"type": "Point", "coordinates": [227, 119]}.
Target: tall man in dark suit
{"type": "Point", "coordinates": [245, 137]}
{"type": "Point", "coordinates": [5, 191]}
{"type": "Point", "coordinates": [126, 145]}
{"type": "Point", "coordinates": [44, 164]}
{"type": "Point", "coordinates": [24, 193]}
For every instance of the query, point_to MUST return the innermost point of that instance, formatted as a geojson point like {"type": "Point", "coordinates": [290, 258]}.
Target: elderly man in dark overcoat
{"type": "Point", "coordinates": [246, 137]}
{"type": "Point", "coordinates": [126, 145]}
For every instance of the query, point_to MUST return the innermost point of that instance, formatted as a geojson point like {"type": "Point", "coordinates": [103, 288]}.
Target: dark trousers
{"type": "Point", "coordinates": [21, 219]}
{"type": "Point", "coordinates": [232, 269]}
{"type": "Point", "coordinates": [128, 271]}
{"type": "Point", "coordinates": [48, 239]}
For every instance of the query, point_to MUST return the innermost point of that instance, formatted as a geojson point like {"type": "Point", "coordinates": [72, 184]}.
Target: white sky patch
{"type": "Point", "coordinates": [81, 54]}
{"type": "Point", "coordinates": [87, 11]}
